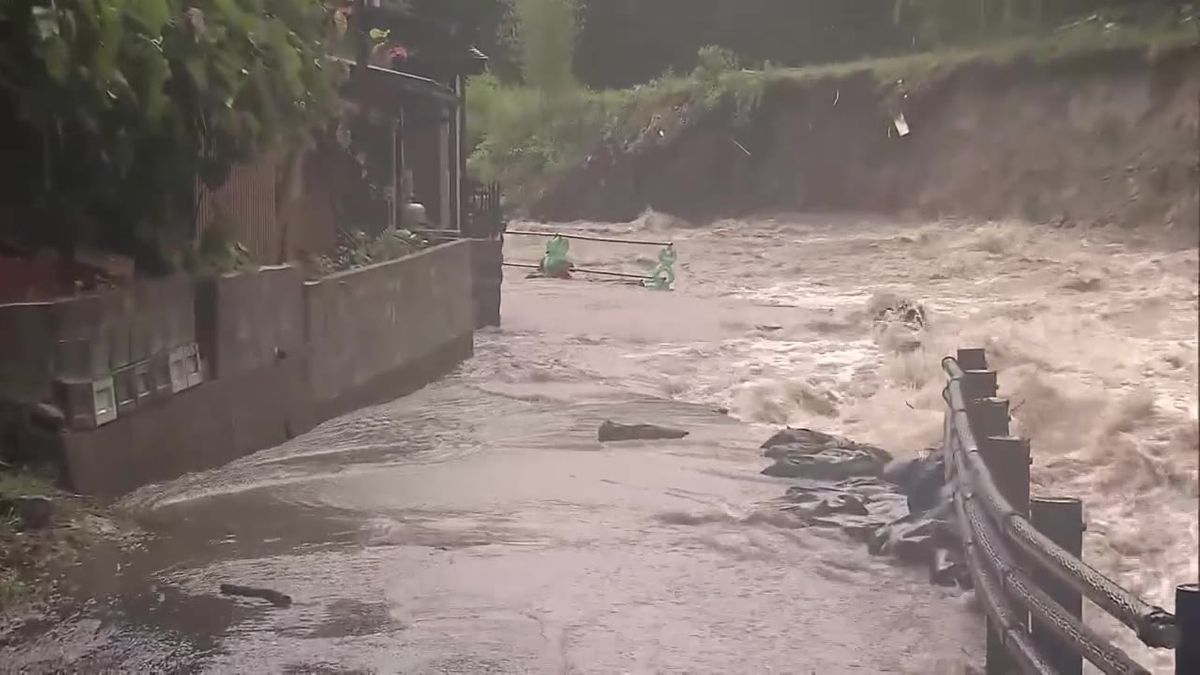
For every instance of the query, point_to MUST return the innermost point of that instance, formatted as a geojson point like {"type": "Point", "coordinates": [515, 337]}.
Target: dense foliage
{"type": "Point", "coordinates": [624, 42]}
{"type": "Point", "coordinates": [114, 108]}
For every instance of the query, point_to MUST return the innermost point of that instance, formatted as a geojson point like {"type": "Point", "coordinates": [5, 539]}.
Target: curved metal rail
{"type": "Point", "coordinates": [992, 530]}
{"type": "Point", "coordinates": [1154, 625]}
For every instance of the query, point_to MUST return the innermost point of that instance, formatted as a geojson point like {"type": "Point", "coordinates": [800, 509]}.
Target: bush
{"type": "Point", "coordinates": [521, 132]}
{"type": "Point", "coordinates": [359, 249]}
{"type": "Point", "coordinates": [129, 101]}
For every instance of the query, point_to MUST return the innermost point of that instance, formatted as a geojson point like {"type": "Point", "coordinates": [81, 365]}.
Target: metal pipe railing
{"type": "Point", "coordinates": [1153, 625]}
{"type": "Point", "coordinates": [1106, 657]}
{"type": "Point", "coordinates": [585, 237]}
{"type": "Point", "coordinates": [990, 525]}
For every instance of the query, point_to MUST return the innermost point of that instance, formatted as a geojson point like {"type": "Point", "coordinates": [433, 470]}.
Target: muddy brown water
{"type": "Point", "coordinates": [478, 526]}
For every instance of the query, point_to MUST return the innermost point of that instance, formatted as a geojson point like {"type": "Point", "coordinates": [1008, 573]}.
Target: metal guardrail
{"type": "Point", "coordinates": [1029, 574]}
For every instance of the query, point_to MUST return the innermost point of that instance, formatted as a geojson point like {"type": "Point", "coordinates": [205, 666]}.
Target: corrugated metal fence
{"type": "Point", "coordinates": [245, 205]}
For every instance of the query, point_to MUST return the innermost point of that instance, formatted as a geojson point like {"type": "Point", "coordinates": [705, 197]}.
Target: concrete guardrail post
{"type": "Point", "coordinates": [1060, 519]}
{"type": "Point", "coordinates": [1187, 618]}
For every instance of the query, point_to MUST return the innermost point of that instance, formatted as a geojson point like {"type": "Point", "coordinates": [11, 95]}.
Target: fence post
{"type": "Point", "coordinates": [1187, 618]}
{"type": "Point", "coordinates": [1060, 519]}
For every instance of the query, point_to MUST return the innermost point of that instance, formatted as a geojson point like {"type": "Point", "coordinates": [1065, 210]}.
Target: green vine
{"type": "Point", "coordinates": [132, 100]}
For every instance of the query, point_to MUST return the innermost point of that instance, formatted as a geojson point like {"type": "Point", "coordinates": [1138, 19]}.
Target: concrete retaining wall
{"type": "Point", "coordinates": [248, 321]}
{"type": "Point", "coordinates": [280, 355]}
{"type": "Point", "coordinates": [487, 277]}
{"type": "Point", "coordinates": [370, 322]}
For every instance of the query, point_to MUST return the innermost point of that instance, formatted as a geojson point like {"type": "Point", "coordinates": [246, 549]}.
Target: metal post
{"type": "Point", "coordinates": [988, 416]}
{"type": "Point", "coordinates": [1187, 618]}
{"type": "Point", "coordinates": [977, 384]}
{"type": "Point", "coordinates": [1008, 461]}
{"type": "Point", "coordinates": [1060, 519]}
{"type": "Point", "coordinates": [972, 359]}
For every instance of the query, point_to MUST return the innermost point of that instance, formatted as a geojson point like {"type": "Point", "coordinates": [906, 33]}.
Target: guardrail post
{"type": "Point", "coordinates": [1060, 519]}
{"type": "Point", "coordinates": [972, 359]}
{"type": "Point", "coordinates": [1187, 619]}
{"type": "Point", "coordinates": [977, 384]}
{"type": "Point", "coordinates": [989, 417]}
{"type": "Point", "coordinates": [1007, 460]}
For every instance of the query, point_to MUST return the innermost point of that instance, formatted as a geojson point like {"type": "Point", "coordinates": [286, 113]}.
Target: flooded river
{"type": "Point", "coordinates": [478, 526]}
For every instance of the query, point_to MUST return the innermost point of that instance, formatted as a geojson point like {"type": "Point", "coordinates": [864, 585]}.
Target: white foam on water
{"type": "Point", "coordinates": [1094, 335]}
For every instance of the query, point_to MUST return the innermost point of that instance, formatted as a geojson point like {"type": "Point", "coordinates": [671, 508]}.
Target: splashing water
{"type": "Point", "coordinates": [1094, 334]}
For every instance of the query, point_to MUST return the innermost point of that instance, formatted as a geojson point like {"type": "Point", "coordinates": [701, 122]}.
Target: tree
{"type": "Point", "coordinates": [130, 101]}
{"type": "Point", "coordinates": [548, 30]}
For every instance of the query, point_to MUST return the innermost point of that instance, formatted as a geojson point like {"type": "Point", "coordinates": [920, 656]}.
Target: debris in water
{"type": "Point", "coordinates": [612, 431]}
{"type": "Point", "coordinates": [901, 125]}
{"type": "Point", "coordinates": [898, 508]}
{"type": "Point", "coordinates": [812, 454]}
{"type": "Point", "coordinates": [274, 597]}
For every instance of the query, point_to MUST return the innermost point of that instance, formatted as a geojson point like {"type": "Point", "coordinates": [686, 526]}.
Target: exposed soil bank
{"type": "Point", "coordinates": [1100, 138]}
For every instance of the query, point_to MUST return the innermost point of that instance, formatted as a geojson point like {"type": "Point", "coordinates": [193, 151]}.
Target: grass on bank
{"type": "Point", "coordinates": [524, 137]}
{"type": "Point", "coordinates": [28, 558]}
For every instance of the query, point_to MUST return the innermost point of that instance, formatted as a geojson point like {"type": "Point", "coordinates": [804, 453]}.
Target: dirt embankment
{"type": "Point", "coordinates": [1099, 138]}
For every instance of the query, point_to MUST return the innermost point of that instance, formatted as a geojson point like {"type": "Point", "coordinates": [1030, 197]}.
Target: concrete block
{"type": "Point", "coordinates": [243, 321]}
{"type": "Point", "coordinates": [87, 404]}
{"type": "Point", "coordinates": [27, 348]}
{"type": "Point", "coordinates": [143, 378]}
{"type": "Point", "coordinates": [160, 376]}
{"type": "Point", "coordinates": [178, 368]}
{"type": "Point", "coordinates": [125, 389]}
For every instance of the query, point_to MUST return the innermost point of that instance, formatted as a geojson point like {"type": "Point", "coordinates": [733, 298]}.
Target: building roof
{"type": "Point", "coordinates": [387, 87]}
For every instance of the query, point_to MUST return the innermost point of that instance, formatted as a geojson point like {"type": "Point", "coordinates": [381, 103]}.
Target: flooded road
{"type": "Point", "coordinates": [478, 525]}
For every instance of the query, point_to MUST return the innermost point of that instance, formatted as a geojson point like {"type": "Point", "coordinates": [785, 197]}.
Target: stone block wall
{"type": "Point", "coordinates": [279, 356]}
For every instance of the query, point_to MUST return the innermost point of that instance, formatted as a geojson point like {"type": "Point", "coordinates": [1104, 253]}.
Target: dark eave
{"type": "Point", "coordinates": [378, 82]}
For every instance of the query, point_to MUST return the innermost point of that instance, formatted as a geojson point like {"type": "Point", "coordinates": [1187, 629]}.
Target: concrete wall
{"type": "Point", "coordinates": [280, 356]}
{"type": "Point", "coordinates": [197, 429]}
{"type": "Point", "coordinates": [373, 322]}
{"type": "Point", "coordinates": [487, 277]}
{"type": "Point", "coordinates": [248, 321]}
{"type": "Point", "coordinates": [48, 346]}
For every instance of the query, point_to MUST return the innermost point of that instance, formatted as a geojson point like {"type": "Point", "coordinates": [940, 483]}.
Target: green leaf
{"type": "Point", "coordinates": [197, 70]}
{"type": "Point", "coordinates": [151, 15]}
{"type": "Point", "coordinates": [57, 57]}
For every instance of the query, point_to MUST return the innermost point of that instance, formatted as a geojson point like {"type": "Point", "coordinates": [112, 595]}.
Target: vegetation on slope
{"type": "Point", "coordinates": [526, 132]}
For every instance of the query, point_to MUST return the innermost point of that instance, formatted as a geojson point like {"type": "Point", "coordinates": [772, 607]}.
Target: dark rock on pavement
{"type": "Point", "coordinates": [803, 453]}
{"type": "Point", "coordinates": [35, 513]}
{"type": "Point", "coordinates": [902, 509]}
{"type": "Point", "coordinates": [613, 431]}
{"type": "Point", "coordinates": [274, 597]}
{"type": "Point", "coordinates": [921, 479]}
